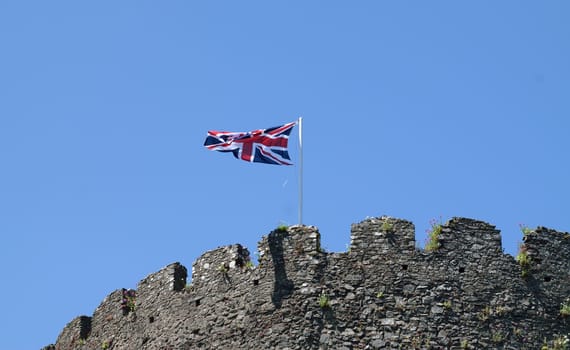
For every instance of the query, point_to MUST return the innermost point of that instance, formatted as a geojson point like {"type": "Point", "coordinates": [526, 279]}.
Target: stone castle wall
{"type": "Point", "coordinates": [383, 293]}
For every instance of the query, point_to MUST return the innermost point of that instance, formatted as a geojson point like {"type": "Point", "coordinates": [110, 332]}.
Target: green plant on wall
{"type": "Point", "coordinates": [485, 314]}
{"type": "Point", "coordinates": [131, 302]}
{"type": "Point", "coordinates": [387, 227]}
{"type": "Point", "coordinates": [525, 229]}
{"type": "Point", "coordinates": [416, 342]}
{"type": "Point", "coordinates": [223, 268]}
{"type": "Point", "coordinates": [524, 260]}
{"type": "Point", "coordinates": [433, 233]}
{"type": "Point", "coordinates": [565, 308]}
{"type": "Point", "coordinates": [498, 337]}
{"type": "Point", "coordinates": [324, 301]}
{"type": "Point", "coordinates": [128, 302]}
{"type": "Point", "coordinates": [558, 343]}
{"type": "Point", "coordinates": [282, 228]}
{"type": "Point", "coordinates": [500, 310]}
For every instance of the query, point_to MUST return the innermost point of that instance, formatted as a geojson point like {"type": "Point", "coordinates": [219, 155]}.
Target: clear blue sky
{"type": "Point", "coordinates": [413, 109]}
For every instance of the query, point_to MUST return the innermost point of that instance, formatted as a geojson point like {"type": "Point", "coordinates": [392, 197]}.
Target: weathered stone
{"type": "Point", "coordinates": [377, 344]}
{"type": "Point", "coordinates": [436, 309]}
{"type": "Point", "coordinates": [325, 339]}
{"type": "Point", "coordinates": [382, 294]}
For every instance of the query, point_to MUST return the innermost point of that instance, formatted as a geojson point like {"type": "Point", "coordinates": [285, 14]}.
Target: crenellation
{"type": "Point", "coordinates": [108, 318]}
{"type": "Point", "coordinates": [291, 259]}
{"type": "Point", "coordinates": [215, 266]}
{"type": "Point", "coordinates": [549, 275]}
{"type": "Point", "coordinates": [461, 234]}
{"type": "Point", "coordinates": [171, 278]}
{"type": "Point", "coordinates": [381, 236]}
{"type": "Point", "coordinates": [384, 293]}
{"type": "Point", "coordinates": [74, 333]}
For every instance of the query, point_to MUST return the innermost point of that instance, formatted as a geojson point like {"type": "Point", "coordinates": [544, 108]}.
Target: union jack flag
{"type": "Point", "coordinates": [262, 145]}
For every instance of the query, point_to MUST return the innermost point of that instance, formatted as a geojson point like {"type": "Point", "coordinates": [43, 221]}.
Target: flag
{"type": "Point", "coordinates": [262, 145]}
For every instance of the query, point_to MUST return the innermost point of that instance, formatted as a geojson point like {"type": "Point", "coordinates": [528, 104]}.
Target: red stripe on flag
{"type": "Point", "coordinates": [246, 152]}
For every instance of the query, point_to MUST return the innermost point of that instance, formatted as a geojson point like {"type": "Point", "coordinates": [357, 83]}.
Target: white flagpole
{"type": "Point", "coordinates": [300, 171]}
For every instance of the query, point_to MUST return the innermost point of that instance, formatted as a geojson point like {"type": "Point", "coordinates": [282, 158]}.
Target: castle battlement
{"type": "Point", "coordinates": [383, 293]}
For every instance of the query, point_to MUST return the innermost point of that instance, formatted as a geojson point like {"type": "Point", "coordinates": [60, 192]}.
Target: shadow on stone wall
{"type": "Point", "coordinates": [283, 286]}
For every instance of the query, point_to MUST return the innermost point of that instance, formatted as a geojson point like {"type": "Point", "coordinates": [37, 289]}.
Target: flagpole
{"type": "Point", "coordinates": [300, 171]}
